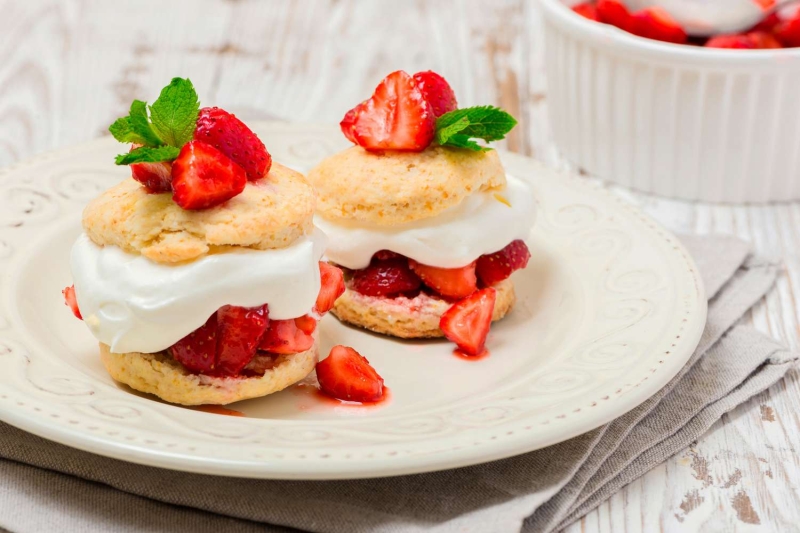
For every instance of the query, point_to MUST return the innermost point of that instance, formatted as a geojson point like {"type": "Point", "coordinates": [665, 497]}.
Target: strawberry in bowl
{"type": "Point", "coordinates": [421, 215]}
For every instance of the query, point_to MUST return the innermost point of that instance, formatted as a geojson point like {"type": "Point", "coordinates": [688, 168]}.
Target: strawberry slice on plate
{"type": "Point", "coordinates": [494, 268]}
{"type": "Point", "coordinates": [156, 177]}
{"type": "Point", "coordinates": [396, 117]}
{"type": "Point", "coordinates": [347, 375]}
{"type": "Point", "coordinates": [388, 277]}
{"type": "Point", "coordinates": [332, 287]}
{"type": "Point", "coordinates": [656, 23]}
{"type": "Point", "coordinates": [198, 350]}
{"type": "Point", "coordinates": [71, 301]}
{"type": "Point", "coordinates": [284, 337]}
{"type": "Point", "coordinates": [232, 137]}
{"type": "Point", "coordinates": [204, 177]}
{"type": "Point", "coordinates": [437, 92]}
{"type": "Point", "coordinates": [449, 282]}
{"type": "Point", "coordinates": [467, 322]}
{"type": "Point", "coordinates": [239, 330]}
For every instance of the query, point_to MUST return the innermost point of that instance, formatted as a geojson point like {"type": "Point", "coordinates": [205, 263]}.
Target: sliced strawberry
{"type": "Point", "coordinates": [788, 31]}
{"type": "Point", "coordinates": [347, 375]}
{"type": "Point", "coordinates": [332, 287]}
{"type": "Point", "coordinates": [753, 40]}
{"type": "Point", "coordinates": [587, 10]}
{"type": "Point", "coordinates": [232, 137]}
{"type": "Point", "coordinates": [306, 324]}
{"type": "Point", "coordinates": [348, 123]}
{"type": "Point", "coordinates": [203, 177]}
{"type": "Point", "coordinates": [655, 23]}
{"type": "Point", "coordinates": [239, 330]}
{"type": "Point", "coordinates": [198, 350]}
{"type": "Point", "coordinates": [389, 277]}
{"type": "Point", "coordinates": [494, 268]}
{"type": "Point", "coordinates": [71, 301]}
{"type": "Point", "coordinates": [437, 92]}
{"type": "Point", "coordinates": [467, 322]}
{"type": "Point", "coordinates": [396, 117]}
{"type": "Point", "coordinates": [382, 255]}
{"type": "Point", "coordinates": [284, 337]}
{"type": "Point", "coordinates": [449, 282]}
{"type": "Point", "coordinates": [156, 177]}
{"type": "Point", "coordinates": [615, 13]}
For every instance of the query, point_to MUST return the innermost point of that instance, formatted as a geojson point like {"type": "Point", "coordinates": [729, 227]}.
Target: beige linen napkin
{"type": "Point", "coordinates": [46, 486]}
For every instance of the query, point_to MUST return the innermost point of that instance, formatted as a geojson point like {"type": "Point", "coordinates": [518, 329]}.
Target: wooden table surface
{"type": "Point", "coordinates": [69, 68]}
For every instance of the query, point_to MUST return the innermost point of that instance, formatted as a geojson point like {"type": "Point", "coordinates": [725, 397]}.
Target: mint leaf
{"type": "Point", "coordinates": [444, 134]}
{"type": "Point", "coordinates": [135, 128]}
{"type": "Point", "coordinates": [147, 154]}
{"type": "Point", "coordinates": [141, 125]}
{"type": "Point", "coordinates": [122, 131]}
{"type": "Point", "coordinates": [174, 113]}
{"type": "Point", "coordinates": [489, 123]}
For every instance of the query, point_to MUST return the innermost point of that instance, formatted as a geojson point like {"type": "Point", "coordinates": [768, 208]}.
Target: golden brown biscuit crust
{"type": "Point", "coordinates": [409, 318]}
{"type": "Point", "coordinates": [388, 188]}
{"type": "Point", "coordinates": [269, 213]}
{"type": "Point", "coordinates": [161, 375]}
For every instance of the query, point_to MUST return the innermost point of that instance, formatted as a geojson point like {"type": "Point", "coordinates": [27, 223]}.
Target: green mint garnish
{"type": "Point", "coordinates": [458, 128]}
{"type": "Point", "coordinates": [170, 124]}
{"type": "Point", "coordinates": [148, 154]}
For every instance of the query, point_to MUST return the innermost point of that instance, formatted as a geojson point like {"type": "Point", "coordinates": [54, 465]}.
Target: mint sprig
{"type": "Point", "coordinates": [458, 128]}
{"type": "Point", "coordinates": [170, 124]}
{"type": "Point", "coordinates": [148, 154]}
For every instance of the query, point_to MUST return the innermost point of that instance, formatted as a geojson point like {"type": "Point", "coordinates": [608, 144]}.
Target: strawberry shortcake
{"type": "Point", "coordinates": [421, 216]}
{"type": "Point", "coordinates": [200, 274]}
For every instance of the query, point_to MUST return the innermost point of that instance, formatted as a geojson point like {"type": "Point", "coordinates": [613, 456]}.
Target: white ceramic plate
{"type": "Point", "coordinates": [610, 308]}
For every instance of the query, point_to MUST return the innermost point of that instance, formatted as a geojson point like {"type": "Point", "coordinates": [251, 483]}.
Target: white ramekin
{"type": "Point", "coordinates": [674, 120]}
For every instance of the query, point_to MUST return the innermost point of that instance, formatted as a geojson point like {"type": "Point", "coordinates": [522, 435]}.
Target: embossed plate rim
{"type": "Point", "coordinates": [468, 446]}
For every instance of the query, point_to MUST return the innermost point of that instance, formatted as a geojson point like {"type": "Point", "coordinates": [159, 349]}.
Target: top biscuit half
{"type": "Point", "coordinates": [201, 181]}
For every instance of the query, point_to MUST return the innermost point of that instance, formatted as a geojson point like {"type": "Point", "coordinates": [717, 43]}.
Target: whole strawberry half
{"type": "Point", "coordinates": [285, 337]}
{"type": "Point", "coordinates": [388, 277]}
{"type": "Point", "coordinates": [437, 92]}
{"type": "Point", "coordinates": [71, 301]}
{"type": "Point", "coordinates": [225, 344]}
{"type": "Point", "coordinates": [396, 117]}
{"type": "Point", "coordinates": [449, 282]}
{"type": "Point", "coordinates": [467, 322]}
{"type": "Point", "coordinates": [494, 268]}
{"type": "Point", "coordinates": [204, 177]}
{"type": "Point", "coordinates": [331, 287]}
{"type": "Point", "coordinates": [232, 137]}
{"type": "Point", "coordinates": [156, 177]}
{"type": "Point", "coordinates": [347, 375]}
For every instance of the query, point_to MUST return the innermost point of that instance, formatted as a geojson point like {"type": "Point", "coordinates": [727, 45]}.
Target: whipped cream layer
{"type": "Point", "coordinates": [483, 223]}
{"type": "Point", "coordinates": [136, 305]}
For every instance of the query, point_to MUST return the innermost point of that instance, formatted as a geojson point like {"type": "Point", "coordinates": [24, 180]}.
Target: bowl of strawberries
{"type": "Point", "coordinates": [643, 98]}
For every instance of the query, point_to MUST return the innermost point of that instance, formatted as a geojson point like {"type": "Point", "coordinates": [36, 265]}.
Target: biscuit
{"type": "Point", "coordinates": [270, 213]}
{"type": "Point", "coordinates": [159, 374]}
{"type": "Point", "coordinates": [388, 188]}
{"type": "Point", "coordinates": [409, 318]}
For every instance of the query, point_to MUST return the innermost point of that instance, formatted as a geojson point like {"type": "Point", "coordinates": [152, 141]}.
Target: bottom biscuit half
{"type": "Point", "coordinates": [159, 374]}
{"type": "Point", "coordinates": [409, 318]}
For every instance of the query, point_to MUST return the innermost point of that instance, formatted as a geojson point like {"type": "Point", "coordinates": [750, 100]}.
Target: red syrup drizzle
{"type": "Point", "coordinates": [217, 410]}
{"type": "Point", "coordinates": [461, 355]}
{"type": "Point", "coordinates": [320, 397]}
